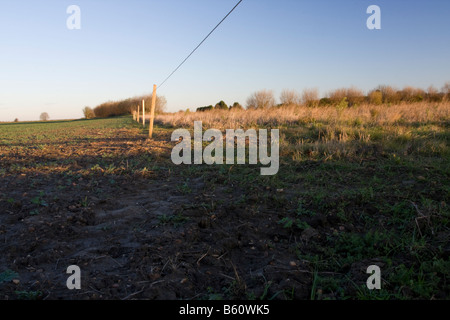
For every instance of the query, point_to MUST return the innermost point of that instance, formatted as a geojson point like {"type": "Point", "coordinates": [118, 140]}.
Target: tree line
{"type": "Point", "coordinates": [343, 97]}
{"type": "Point", "coordinates": [221, 105]}
{"type": "Point", "coordinates": [346, 97]}
{"type": "Point", "coordinates": [124, 107]}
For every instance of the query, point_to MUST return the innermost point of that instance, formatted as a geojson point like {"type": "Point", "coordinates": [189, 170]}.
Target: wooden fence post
{"type": "Point", "coordinates": [143, 112]}
{"type": "Point", "coordinates": [152, 112]}
{"type": "Point", "coordinates": [137, 119]}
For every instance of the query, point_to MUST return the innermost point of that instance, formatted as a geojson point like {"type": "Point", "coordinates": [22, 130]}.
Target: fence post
{"type": "Point", "coordinates": [143, 112]}
{"type": "Point", "coordinates": [137, 119]}
{"type": "Point", "coordinates": [152, 112]}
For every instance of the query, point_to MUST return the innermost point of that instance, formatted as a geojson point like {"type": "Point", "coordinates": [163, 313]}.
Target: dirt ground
{"type": "Point", "coordinates": [124, 251]}
{"type": "Point", "coordinates": [141, 237]}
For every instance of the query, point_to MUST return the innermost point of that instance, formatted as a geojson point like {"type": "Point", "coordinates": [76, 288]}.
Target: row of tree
{"type": "Point", "coordinates": [221, 105]}
{"type": "Point", "coordinates": [124, 107]}
{"type": "Point", "coordinates": [345, 96]}
{"type": "Point", "coordinates": [265, 99]}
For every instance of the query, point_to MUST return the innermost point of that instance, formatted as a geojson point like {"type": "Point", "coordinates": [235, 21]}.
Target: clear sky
{"type": "Point", "coordinates": [124, 47]}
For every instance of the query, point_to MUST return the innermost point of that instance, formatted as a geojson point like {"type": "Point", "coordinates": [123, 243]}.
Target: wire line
{"type": "Point", "coordinates": [176, 69]}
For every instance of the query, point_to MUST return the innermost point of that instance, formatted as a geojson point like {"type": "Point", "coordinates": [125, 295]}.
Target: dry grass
{"type": "Point", "coordinates": [355, 133]}
{"type": "Point", "coordinates": [383, 115]}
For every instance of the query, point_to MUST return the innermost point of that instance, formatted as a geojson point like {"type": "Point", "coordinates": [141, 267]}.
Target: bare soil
{"type": "Point", "coordinates": [140, 237]}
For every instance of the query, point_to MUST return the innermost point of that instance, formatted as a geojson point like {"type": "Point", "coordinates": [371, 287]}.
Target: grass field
{"type": "Point", "coordinates": [356, 187]}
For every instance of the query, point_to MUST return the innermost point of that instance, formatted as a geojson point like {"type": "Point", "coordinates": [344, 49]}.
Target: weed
{"type": "Point", "coordinates": [175, 220]}
{"type": "Point", "coordinates": [185, 188]}
{"type": "Point", "coordinates": [211, 295]}
{"type": "Point", "coordinates": [266, 290]}
{"type": "Point", "coordinates": [288, 223]}
{"type": "Point", "coordinates": [314, 285]}
{"type": "Point", "coordinates": [28, 295]}
{"type": "Point", "coordinates": [7, 275]}
{"type": "Point", "coordinates": [84, 202]}
{"type": "Point", "coordinates": [38, 199]}
{"type": "Point", "coordinates": [302, 211]}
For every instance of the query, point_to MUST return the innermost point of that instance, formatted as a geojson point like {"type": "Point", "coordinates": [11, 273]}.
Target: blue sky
{"type": "Point", "coordinates": [124, 47]}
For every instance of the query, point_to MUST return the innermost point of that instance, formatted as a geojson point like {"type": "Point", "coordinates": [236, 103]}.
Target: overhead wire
{"type": "Point", "coordinates": [179, 66]}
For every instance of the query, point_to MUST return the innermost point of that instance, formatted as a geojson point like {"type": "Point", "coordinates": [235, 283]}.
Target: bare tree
{"type": "Point", "coordinates": [261, 99]}
{"type": "Point", "coordinates": [433, 94]}
{"type": "Point", "coordinates": [44, 116]}
{"type": "Point", "coordinates": [161, 104]}
{"type": "Point", "coordinates": [411, 94]}
{"type": "Point", "coordinates": [432, 90]}
{"type": "Point", "coordinates": [88, 113]}
{"type": "Point", "coordinates": [289, 97]}
{"type": "Point", "coordinates": [390, 94]}
{"type": "Point", "coordinates": [353, 95]}
{"type": "Point", "coordinates": [310, 97]}
{"type": "Point", "coordinates": [446, 90]}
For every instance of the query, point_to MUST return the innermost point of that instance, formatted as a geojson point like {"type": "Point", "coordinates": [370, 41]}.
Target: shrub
{"type": "Point", "coordinates": [203, 109]}
{"type": "Point", "coordinates": [433, 95]}
{"type": "Point", "coordinates": [375, 97]}
{"type": "Point", "coordinates": [261, 99]}
{"type": "Point", "coordinates": [237, 106]}
{"type": "Point", "coordinates": [289, 98]}
{"type": "Point", "coordinates": [325, 102]}
{"type": "Point", "coordinates": [446, 91]}
{"type": "Point", "coordinates": [221, 106]}
{"type": "Point", "coordinates": [390, 94]}
{"type": "Point", "coordinates": [353, 96]}
{"type": "Point", "coordinates": [411, 94]}
{"type": "Point", "coordinates": [123, 107]}
{"type": "Point", "coordinates": [88, 113]}
{"type": "Point", "coordinates": [343, 104]}
{"type": "Point", "coordinates": [310, 97]}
